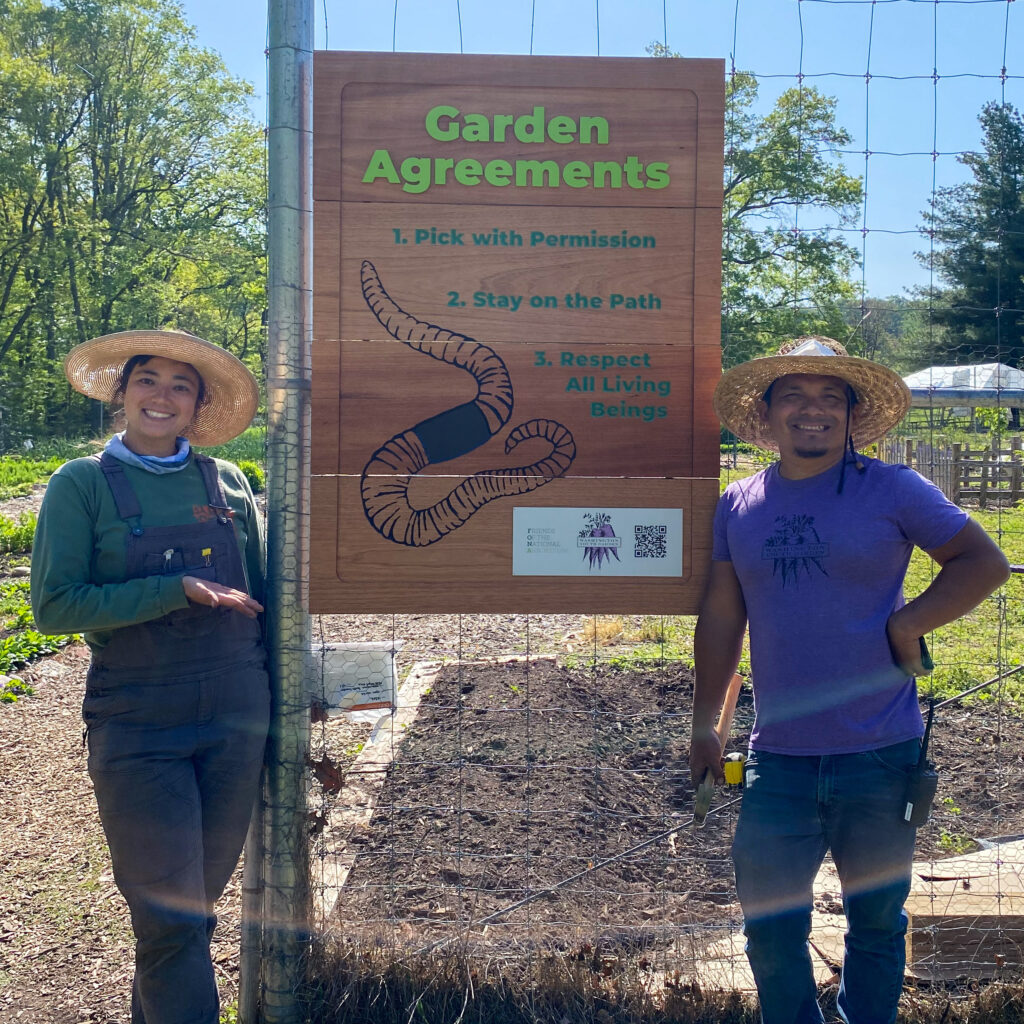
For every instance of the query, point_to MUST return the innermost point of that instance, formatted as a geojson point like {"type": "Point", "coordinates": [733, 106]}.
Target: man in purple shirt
{"type": "Point", "coordinates": [811, 554]}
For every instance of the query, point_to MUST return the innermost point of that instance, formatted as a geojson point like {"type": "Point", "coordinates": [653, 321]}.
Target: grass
{"type": "Point", "coordinates": [18, 475]}
{"type": "Point", "coordinates": [979, 645]}
{"type": "Point", "coordinates": [249, 446]}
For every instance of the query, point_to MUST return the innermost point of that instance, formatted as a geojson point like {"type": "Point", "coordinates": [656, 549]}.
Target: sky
{"type": "Point", "coordinates": [909, 76]}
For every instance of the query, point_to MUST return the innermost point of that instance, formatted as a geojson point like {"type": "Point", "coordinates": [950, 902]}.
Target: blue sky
{"type": "Point", "coordinates": [901, 115]}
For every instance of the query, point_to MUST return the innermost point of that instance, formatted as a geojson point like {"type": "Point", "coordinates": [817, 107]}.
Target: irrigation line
{"type": "Point", "coordinates": [980, 686]}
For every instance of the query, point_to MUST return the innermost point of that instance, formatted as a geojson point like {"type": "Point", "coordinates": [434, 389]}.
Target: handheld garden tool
{"type": "Point", "coordinates": [706, 790]}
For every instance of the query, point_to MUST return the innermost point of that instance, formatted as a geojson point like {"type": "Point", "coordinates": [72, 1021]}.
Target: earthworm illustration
{"type": "Point", "coordinates": [457, 431]}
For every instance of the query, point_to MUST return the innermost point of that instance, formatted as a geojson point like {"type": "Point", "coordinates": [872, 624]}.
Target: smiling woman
{"type": "Point", "coordinates": [156, 553]}
{"type": "Point", "coordinates": [160, 400]}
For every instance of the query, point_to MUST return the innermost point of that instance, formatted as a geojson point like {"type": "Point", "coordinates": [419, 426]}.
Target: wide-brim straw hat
{"type": "Point", "coordinates": [94, 368]}
{"type": "Point", "coordinates": [882, 397]}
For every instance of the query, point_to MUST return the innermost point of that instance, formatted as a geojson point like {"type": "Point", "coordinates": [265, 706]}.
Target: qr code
{"type": "Point", "coordinates": [650, 541]}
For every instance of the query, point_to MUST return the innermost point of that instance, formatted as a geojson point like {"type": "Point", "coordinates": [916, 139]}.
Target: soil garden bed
{"type": "Point", "coordinates": [516, 776]}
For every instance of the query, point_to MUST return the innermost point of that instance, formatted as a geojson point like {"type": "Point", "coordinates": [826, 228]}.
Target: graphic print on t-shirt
{"type": "Point", "coordinates": [795, 546]}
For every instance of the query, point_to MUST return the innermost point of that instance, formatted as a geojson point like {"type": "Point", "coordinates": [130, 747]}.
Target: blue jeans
{"type": "Point", "coordinates": [794, 810]}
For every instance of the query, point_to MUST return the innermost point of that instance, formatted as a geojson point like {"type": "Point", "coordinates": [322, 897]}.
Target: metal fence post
{"type": "Point", "coordinates": [284, 865]}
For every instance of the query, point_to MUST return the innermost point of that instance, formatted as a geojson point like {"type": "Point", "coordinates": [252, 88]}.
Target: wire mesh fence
{"type": "Point", "coordinates": [527, 808]}
{"type": "Point", "coordinates": [499, 807]}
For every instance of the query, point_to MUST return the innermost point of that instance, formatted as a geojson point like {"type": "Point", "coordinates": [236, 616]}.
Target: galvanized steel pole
{"type": "Point", "coordinates": [285, 862]}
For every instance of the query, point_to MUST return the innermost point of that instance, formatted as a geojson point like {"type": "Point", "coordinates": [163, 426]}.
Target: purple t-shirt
{"type": "Point", "coordinates": [821, 573]}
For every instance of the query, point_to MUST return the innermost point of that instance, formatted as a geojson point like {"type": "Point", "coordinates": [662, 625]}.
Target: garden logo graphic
{"type": "Point", "coordinates": [598, 540]}
{"type": "Point", "coordinates": [795, 545]}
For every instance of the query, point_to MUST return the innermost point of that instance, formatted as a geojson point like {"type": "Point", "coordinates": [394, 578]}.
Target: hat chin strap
{"type": "Point", "coordinates": [848, 447]}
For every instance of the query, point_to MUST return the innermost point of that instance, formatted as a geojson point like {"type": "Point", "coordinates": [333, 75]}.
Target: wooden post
{"type": "Point", "coordinates": [908, 457]}
{"type": "Point", "coordinates": [956, 481]}
{"type": "Point", "coordinates": [986, 463]}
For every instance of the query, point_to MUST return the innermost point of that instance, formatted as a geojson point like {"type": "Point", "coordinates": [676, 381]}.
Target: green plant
{"type": "Point", "coordinates": [19, 475]}
{"type": "Point", "coordinates": [994, 420]}
{"type": "Point", "coordinates": [250, 445]}
{"type": "Point", "coordinates": [956, 842]}
{"type": "Point", "coordinates": [254, 474]}
{"type": "Point", "coordinates": [13, 600]}
{"type": "Point", "coordinates": [16, 537]}
{"type": "Point", "coordinates": [949, 804]}
{"type": "Point", "coordinates": [11, 688]}
{"type": "Point", "coordinates": [21, 648]}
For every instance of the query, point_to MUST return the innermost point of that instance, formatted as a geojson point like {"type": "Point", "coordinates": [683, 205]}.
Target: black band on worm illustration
{"type": "Point", "coordinates": [455, 432]}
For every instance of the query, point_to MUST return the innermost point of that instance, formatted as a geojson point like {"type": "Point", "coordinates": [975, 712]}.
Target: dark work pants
{"type": "Point", "coordinates": [175, 765]}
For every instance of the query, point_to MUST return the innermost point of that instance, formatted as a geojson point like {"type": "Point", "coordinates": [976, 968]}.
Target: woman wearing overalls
{"type": "Point", "coordinates": [156, 553]}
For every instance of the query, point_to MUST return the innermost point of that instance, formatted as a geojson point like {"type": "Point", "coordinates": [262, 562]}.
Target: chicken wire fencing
{"type": "Point", "coordinates": [501, 803]}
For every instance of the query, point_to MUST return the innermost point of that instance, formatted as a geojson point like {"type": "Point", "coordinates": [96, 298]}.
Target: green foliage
{"type": "Point", "coordinates": [13, 596]}
{"type": "Point", "coordinates": [894, 331]}
{"type": "Point", "coordinates": [16, 537]}
{"type": "Point", "coordinates": [955, 843]}
{"type": "Point", "coordinates": [19, 641]}
{"type": "Point", "coordinates": [19, 475]}
{"type": "Point", "coordinates": [21, 648]}
{"type": "Point", "coordinates": [11, 688]}
{"type": "Point", "coordinates": [254, 474]}
{"type": "Point", "coordinates": [978, 229]}
{"type": "Point", "coordinates": [779, 283]}
{"type": "Point", "coordinates": [992, 419]}
{"type": "Point", "coordinates": [249, 446]}
{"type": "Point", "coordinates": [131, 193]}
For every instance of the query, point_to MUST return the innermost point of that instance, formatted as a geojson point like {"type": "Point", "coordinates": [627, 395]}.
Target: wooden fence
{"type": "Point", "coordinates": [983, 475]}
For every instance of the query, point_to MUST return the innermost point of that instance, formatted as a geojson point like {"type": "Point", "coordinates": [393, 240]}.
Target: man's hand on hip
{"type": "Point", "coordinates": [906, 647]}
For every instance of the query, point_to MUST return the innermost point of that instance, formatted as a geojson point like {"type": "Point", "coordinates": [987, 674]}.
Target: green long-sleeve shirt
{"type": "Point", "coordinates": [79, 553]}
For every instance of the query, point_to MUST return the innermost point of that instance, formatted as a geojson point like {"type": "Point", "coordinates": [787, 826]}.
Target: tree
{"type": "Point", "coordinates": [893, 331]}
{"type": "Point", "coordinates": [783, 274]}
{"type": "Point", "coordinates": [131, 192]}
{"type": "Point", "coordinates": [978, 231]}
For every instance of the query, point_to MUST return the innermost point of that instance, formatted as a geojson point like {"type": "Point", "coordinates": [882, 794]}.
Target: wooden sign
{"type": "Point", "coordinates": [516, 332]}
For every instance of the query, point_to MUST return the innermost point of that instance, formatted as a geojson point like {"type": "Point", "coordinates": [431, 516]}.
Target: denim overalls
{"type": "Point", "coordinates": [176, 711]}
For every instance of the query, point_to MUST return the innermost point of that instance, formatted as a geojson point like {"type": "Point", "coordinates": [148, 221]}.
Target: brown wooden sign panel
{"type": "Point", "coordinates": [516, 332]}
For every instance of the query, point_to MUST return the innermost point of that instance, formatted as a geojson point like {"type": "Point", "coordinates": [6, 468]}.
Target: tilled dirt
{"type": "Point", "coordinates": [516, 777]}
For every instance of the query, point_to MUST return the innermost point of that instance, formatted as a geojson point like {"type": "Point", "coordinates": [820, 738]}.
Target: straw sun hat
{"type": "Point", "coordinates": [94, 368]}
{"type": "Point", "coordinates": [882, 397]}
